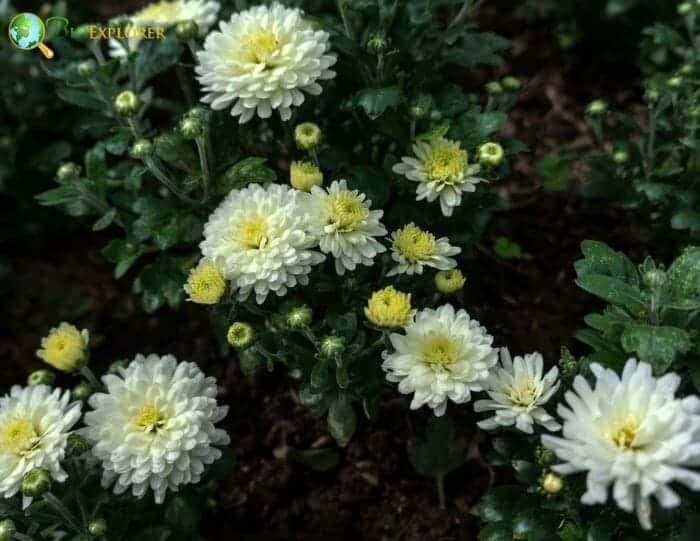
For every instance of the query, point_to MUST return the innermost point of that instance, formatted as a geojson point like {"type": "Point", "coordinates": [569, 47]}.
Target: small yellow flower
{"type": "Point", "coordinates": [446, 161]}
{"type": "Point", "coordinates": [449, 281]}
{"type": "Point", "coordinates": [307, 136]}
{"type": "Point", "coordinates": [552, 483]}
{"type": "Point", "coordinates": [304, 175]}
{"type": "Point", "coordinates": [491, 154]}
{"type": "Point", "coordinates": [65, 348]}
{"type": "Point", "coordinates": [414, 244]}
{"type": "Point", "coordinates": [240, 335]}
{"type": "Point", "coordinates": [389, 308]}
{"type": "Point", "coordinates": [205, 284]}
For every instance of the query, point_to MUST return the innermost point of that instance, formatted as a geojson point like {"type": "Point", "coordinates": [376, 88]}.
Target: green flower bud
{"type": "Point", "coordinates": [82, 33]}
{"type": "Point", "coordinates": [449, 281]}
{"type": "Point", "coordinates": [566, 40]}
{"type": "Point", "coordinates": [435, 115]}
{"type": "Point", "coordinates": [544, 457]}
{"type": "Point", "coordinates": [675, 82]}
{"type": "Point", "coordinates": [684, 9]}
{"type": "Point", "coordinates": [494, 88]}
{"type": "Point", "coordinates": [200, 113]}
{"type": "Point", "coordinates": [307, 136]}
{"type": "Point", "coordinates": [7, 530]}
{"type": "Point", "coordinates": [491, 154]}
{"type": "Point", "coordinates": [417, 112]}
{"type": "Point", "coordinates": [687, 69]}
{"type": "Point", "coordinates": [191, 127]}
{"type": "Point", "coordinates": [332, 346]}
{"type": "Point", "coordinates": [41, 377]}
{"type": "Point", "coordinates": [240, 335]}
{"type": "Point", "coordinates": [76, 445]}
{"type": "Point", "coordinates": [378, 43]}
{"type": "Point", "coordinates": [97, 527]}
{"type": "Point", "coordinates": [116, 366]}
{"type": "Point", "coordinates": [36, 482]}
{"type": "Point", "coordinates": [127, 103]}
{"type": "Point", "coordinates": [141, 149]}
{"type": "Point", "coordinates": [511, 84]}
{"type": "Point", "coordinates": [655, 278]}
{"type": "Point", "coordinates": [68, 172]}
{"type": "Point", "coordinates": [620, 157]}
{"type": "Point", "coordinates": [87, 67]}
{"type": "Point", "coordinates": [552, 484]}
{"type": "Point", "coordinates": [299, 317]}
{"type": "Point", "coordinates": [187, 30]}
{"type": "Point", "coordinates": [596, 108]}
{"type": "Point", "coordinates": [82, 391]}
{"type": "Point", "coordinates": [651, 95]}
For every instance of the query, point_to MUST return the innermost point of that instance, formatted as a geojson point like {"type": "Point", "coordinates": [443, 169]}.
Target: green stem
{"type": "Point", "coordinates": [98, 203]}
{"type": "Point", "coordinates": [62, 510]}
{"type": "Point", "coordinates": [204, 164]}
{"type": "Point", "coordinates": [461, 15]}
{"type": "Point", "coordinates": [652, 139]}
{"type": "Point", "coordinates": [184, 86]}
{"type": "Point", "coordinates": [157, 172]}
{"type": "Point", "coordinates": [90, 376]}
{"type": "Point", "coordinates": [94, 47]}
{"type": "Point", "coordinates": [440, 482]}
{"type": "Point", "coordinates": [343, 16]}
{"type": "Point", "coordinates": [135, 128]}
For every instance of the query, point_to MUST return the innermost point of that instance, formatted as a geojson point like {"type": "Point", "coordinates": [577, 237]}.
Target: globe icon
{"type": "Point", "coordinates": [26, 31]}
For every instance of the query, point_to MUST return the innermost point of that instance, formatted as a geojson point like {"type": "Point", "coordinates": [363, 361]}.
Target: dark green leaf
{"type": "Point", "coordinates": [342, 421]}
{"type": "Point", "coordinates": [440, 452]}
{"type": "Point", "coordinates": [375, 101]}
{"type": "Point", "coordinates": [657, 346]}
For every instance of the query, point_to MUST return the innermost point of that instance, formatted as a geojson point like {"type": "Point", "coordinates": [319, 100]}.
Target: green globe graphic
{"type": "Point", "coordinates": [27, 31]}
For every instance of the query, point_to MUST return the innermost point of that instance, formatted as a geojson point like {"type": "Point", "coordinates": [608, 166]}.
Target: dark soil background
{"type": "Point", "coordinates": [374, 493]}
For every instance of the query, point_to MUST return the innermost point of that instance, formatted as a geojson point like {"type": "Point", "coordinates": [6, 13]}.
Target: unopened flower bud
{"type": "Point", "coordinates": [141, 149]}
{"type": "Point", "coordinates": [417, 112]}
{"type": "Point", "coordinates": [117, 366]}
{"type": "Point", "coordinates": [435, 115]}
{"type": "Point", "coordinates": [545, 457]}
{"type": "Point", "coordinates": [684, 9]}
{"type": "Point", "coordinates": [190, 127]}
{"type": "Point", "coordinates": [41, 377]}
{"type": "Point", "coordinates": [494, 88]}
{"type": "Point", "coordinates": [449, 281]}
{"type": "Point", "coordinates": [7, 530]}
{"type": "Point", "coordinates": [655, 278]}
{"type": "Point", "coordinates": [552, 483]}
{"type": "Point", "coordinates": [675, 82]}
{"type": "Point", "coordinates": [187, 30]}
{"type": "Point", "coordinates": [82, 391]}
{"type": "Point", "coordinates": [240, 335]}
{"type": "Point", "coordinates": [97, 527]}
{"type": "Point", "coordinates": [378, 43]}
{"type": "Point", "coordinates": [304, 175]}
{"type": "Point", "coordinates": [307, 136]}
{"type": "Point", "coordinates": [68, 172]}
{"type": "Point", "coordinates": [87, 67]}
{"type": "Point", "coordinates": [65, 348]}
{"type": "Point", "coordinates": [36, 482]}
{"type": "Point", "coordinates": [620, 157]}
{"type": "Point", "coordinates": [332, 346]}
{"type": "Point", "coordinates": [299, 317]}
{"type": "Point", "coordinates": [511, 84]}
{"type": "Point", "coordinates": [651, 95]}
{"type": "Point", "coordinates": [491, 154]}
{"type": "Point", "coordinates": [687, 69]}
{"type": "Point", "coordinates": [76, 445]}
{"type": "Point", "coordinates": [596, 108]}
{"type": "Point", "coordinates": [127, 103]}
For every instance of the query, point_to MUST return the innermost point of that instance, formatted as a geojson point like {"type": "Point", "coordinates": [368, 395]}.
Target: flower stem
{"type": "Point", "coordinates": [90, 376]}
{"type": "Point", "coordinates": [204, 163]}
{"type": "Point", "coordinates": [62, 510]}
{"type": "Point", "coordinates": [157, 172]}
{"type": "Point", "coordinates": [440, 482]}
{"type": "Point", "coordinates": [343, 16]}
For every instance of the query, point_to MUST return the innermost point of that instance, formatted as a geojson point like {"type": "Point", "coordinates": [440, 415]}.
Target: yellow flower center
{"type": "Point", "coordinates": [415, 244]}
{"type": "Point", "coordinates": [346, 211]}
{"type": "Point", "coordinates": [389, 308]}
{"type": "Point", "coordinates": [253, 232]}
{"type": "Point", "coordinates": [149, 419]}
{"type": "Point", "coordinates": [523, 395]}
{"type": "Point", "coordinates": [18, 436]}
{"type": "Point", "coordinates": [439, 350]}
{"type": "Point", "coordinates": [625, 435]}
{"type": "Point", "coordinates": [261, 44]}
{"type": "Point", "coordinates": [446, 162]}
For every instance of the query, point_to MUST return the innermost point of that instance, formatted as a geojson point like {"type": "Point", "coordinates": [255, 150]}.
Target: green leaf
{"type": "Point", "coordinates": [473, 127]}
{"type": "Point", "coordinates": [319, 375]}
{"type": "Point", "coordinates": [118, 143]}
{"type": "Point", "coordinates": [535, 525]}
{"type": "Point", "coordinates": [499, 504]}
{"type": "Point", "coordinates": [251, 360]}
{"type": "Point", "coordinates": [183, 514]}
{"type": "Point", "coordinates": [105, 221]}
{"type": "Point", "coordinates": [657, 346]}
{"type": "Point", "coordinates": [160, 283]}
{"type": "Point", "coordinates": [505, 248]}
{"type": "Point", "coordinates": [342, 421]}
{"type": "Point", "coordinates": [440, 452]}
{"type": "Point", "coordinates": [617, 7]}
{"type": "Point", "coordinates": [156, 56]}
{"type": "Point", "coordinates": [372, 182]}
{"type": "Point", "coordinates": [496, 532]}
{"type": "Point", "coordinates": [556, 171]}
{"type": "Point", "coordinates": [80, 98]}
{"type": "Point", "coordinates": [683, 278]}
{"type": "Point", "coordinates": [123, 253]}
{"type": "Point", "coordinates": [599, 258]}
{"type": "Point", "coordinates": [439, 130]}
{"type": "Point", "coordinates": [246, 171]}
{"type": "Point", "coordinates": [50, 155]}
{"type": "Point", "coordinates": [478, 48]}
{"type": "Point", "coordinates": [177, 151]}
{"type": "Point", "coordinates": [375, 101]}
{"type": "Point", "coordinates": [96, 165]}
{"type": "Point", "coordinates": [58, 196]}
{"type": "Point", "coordinates": [614, 291]}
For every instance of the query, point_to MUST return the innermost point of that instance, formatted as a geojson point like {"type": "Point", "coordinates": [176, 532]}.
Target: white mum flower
{"type": "Point", "coordinates": [345, 226]}
{"type": "Point", "coordinates": [444, 355]}
{"type": "Point", "coordinates": [260, 238]}
{"type": "Point", "coordinates": [412, 249]}
{"type": "Point", "coordinates": [34, 426]}
{"type": "Point", "coordinates": [518, 392]}
{"type": "Point", "coordinates": [166, 14]}
{"type": "Point", "coordinates": [262, 59]}
{"type": "Point", "coordinates": [154, 427]}
{"type": "Point", "coordinates": [630, 432]}
{"type": "Point", "coordinates": [442, 170]}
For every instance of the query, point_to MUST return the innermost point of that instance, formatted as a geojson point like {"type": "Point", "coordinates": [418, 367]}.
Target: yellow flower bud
{"type": "Point", "coordinates": [304, 175]}
{"type": "Point", "coordinates": [65, 348]}
{"type": "Point", "coordinates": [307, 136]}
{"type": "Point", "coordinates": [389, 308]}
{"type": "Point", "coordinates": [449, 281]}
{"type": "Point", "coordinates": [552, 483]}
{"type": "Point", "coordinates": [240, 335]}
{"type": "Point", "coordinates": [205, 284]}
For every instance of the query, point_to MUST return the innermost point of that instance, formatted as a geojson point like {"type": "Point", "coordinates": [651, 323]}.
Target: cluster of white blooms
{"type": "Point", "coordinates": [154, 426]}
{"type": "Point", "coordinates": [35, 423]}
{"type": "Point", "coordinates": [264, 59]}
{"type": "Point", "coordinates": [630, 432]}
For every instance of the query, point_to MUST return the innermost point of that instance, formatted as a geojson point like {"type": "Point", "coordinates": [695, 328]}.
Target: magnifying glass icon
{"type": "Point", "coordinates": [27, 32]}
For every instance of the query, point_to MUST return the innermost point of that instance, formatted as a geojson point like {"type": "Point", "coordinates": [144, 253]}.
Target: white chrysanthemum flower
{"type": "Point", "coordinates": [630, 432]}
{"type": "Point", "coordinates": [518, 392]}
{"type": "Point", "coordinates": [442, 170]}
{"type": "Point", "coordinates": [345, 226]}
{"type": "Point", "coordinates": [166, 14]}
{"type": "Point", "coordinates": [34, 426]}
{"type": "Point", "coordinates": [260, 237]}
{"type": "Point", "coordinates": [444, 355]}
{"type": "Point", "coordinates": [412, 249]}
{"type": "Point", "coordinates": [154, 427]}
{"type": "Point", "coordinates": [262, 59]}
